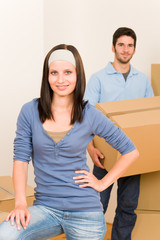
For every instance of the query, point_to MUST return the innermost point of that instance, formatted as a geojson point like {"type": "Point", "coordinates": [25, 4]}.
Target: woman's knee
{"type": "Point", "coordinates": [8, 232]}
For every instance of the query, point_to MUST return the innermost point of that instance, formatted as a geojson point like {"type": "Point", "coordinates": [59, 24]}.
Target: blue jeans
{"type": "Point", "coordinates": [46, 223]}
{"type": "Point", "coordinates": [127, 200]}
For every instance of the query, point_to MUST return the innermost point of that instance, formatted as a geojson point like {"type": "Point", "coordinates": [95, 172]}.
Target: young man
{"type": "Point", "coordinates": [119, 81]}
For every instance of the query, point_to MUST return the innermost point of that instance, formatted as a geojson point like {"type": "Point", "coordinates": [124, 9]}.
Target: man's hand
{"type": "Point", "coordinates": [95, 155]}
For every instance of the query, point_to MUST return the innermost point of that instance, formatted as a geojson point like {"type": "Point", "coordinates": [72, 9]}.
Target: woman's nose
{"type": "Point", "coordinates": [61, 78]}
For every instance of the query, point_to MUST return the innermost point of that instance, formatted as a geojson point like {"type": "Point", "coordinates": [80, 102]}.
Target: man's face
{"type": "Point", "coordinates": [124, 49]}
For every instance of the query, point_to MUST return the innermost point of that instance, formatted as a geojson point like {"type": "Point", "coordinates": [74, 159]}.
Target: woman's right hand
{"type": "Point", "coordinates": [20, 215]}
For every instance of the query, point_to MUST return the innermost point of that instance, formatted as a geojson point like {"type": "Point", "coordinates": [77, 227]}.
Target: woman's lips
{"type": "Point", "coordinates": [62, 87]}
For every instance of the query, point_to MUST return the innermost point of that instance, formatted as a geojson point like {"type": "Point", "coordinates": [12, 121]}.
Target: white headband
{"type": "Point", "coordinates": [62, 55]}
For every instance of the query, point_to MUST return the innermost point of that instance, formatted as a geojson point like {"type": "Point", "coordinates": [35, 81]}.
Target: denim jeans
{"type": "Point", "coordinates": [46, 223]}
{"type": "Point", "coordinates": [127, 200]}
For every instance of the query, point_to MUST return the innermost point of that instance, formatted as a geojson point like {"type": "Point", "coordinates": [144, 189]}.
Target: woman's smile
{"type": "Point", "coordinates": [62, 77]}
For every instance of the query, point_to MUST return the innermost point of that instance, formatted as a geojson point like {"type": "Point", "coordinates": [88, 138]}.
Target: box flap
{"type": "Point", "coordinates": [146, 212]}
{"type": "Point", "coordinates": [138, 119]}
{"type": "Point", "coordinates": [7, 189]}
{"type": "Point", "coordinates": [129, 106]}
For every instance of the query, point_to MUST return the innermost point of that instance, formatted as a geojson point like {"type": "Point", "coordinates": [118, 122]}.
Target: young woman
{"type": "Point", "coordinates": [54, 131]}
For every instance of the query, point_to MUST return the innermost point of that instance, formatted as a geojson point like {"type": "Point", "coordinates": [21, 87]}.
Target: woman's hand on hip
{"type": "Point", "coordinates": [88, 180]}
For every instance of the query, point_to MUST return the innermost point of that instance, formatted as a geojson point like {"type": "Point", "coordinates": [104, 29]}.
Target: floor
{"type": "Point", "coordinates": [107, 236]}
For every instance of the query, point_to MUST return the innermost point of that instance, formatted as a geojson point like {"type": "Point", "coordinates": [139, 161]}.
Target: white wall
{"type": "Point", "coordinates": [21, 52]}
{"type": "Point", "coordinates": [89, 25]}
{"type": "Point", "coordinates": [30, 28]}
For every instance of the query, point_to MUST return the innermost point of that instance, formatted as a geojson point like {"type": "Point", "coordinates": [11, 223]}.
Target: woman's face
{"type": "Point", "coordinates": [62, 77]}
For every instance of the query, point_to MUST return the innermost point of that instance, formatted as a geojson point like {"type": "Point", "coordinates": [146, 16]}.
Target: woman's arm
{"type": "Point", "coordinates": [89, 180]}
{"type": "Point", "coordinates": [103, 127]}
{"type": "Point", "coordinates": [21, 213]}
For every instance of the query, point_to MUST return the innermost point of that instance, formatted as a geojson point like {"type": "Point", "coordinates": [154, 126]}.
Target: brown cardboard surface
{"type": "Point", "coordinates": [149, 198]}
{"type": "Point", "coordinates": [138, 119]}
{"type": "Point", "coordinates": [7, 194]}
{"type": "Point", "coordinates": [147, 226]}
{"type": "Point", "coordinates": [143, 128]}
{"type": "Point", "coordinates": [129, 106]}
{"type": "Point", "coordinates": [60, 237]}
{"type": "Point", "coordinates": [3, 216]}
{"type": "Point", "coordinates": [155, 78]}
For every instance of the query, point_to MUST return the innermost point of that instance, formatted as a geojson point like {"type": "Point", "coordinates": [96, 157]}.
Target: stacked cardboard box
{"type": "Point", "coordinates": [155, 78]}
{"type": "Point", "coordinates": [148, 210]}
{"type": "Point", "coordinates": [7, 201]}
{"type": "Point", "coordinates": [149, 198]}
{"type": "Point", "coordinates": [140, 120]}
{"type": "Point", "coordinates": [3, 216]}
{"type": "Point", "coordinates": [147, 226]}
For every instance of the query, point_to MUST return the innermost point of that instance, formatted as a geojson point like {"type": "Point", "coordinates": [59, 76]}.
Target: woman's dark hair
{"type": "Point", "coordinates": [124, 31]}
{"type": "Point", "coordinates": [46, 93]}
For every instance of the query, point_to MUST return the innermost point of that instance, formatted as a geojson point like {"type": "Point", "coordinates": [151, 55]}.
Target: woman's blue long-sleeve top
{"type": "Point", "coordinates": [55, 164]}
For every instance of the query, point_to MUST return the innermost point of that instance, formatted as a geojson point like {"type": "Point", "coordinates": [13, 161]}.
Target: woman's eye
{"type": "Point", "coordinates": [68, 72]}
{"type": "Point", "coordinates": [54, 73]}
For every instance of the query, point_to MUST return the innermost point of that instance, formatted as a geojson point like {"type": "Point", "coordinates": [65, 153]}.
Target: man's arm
{"type": "Point", "coordinates": [149, 90]}
{"type": "Point", "coordinates": [93, 89]}
{"type": "Point", "coordinates": [95, 154]}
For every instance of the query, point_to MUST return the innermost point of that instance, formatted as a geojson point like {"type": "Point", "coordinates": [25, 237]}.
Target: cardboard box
{"type": "Point", "coordinates": [147, 226]}
{"type": "Point", "coordinates": [149, 198]}
{"type": "Point", "coordinates": [60, 237]}
{"type": "Point", "coordinates": [109, 232]}
{"type": "Point", "coordinates": [3, 216]}
{"type": "Point", "coordinates": [7, 202]}
{"type": "Point", "coordinates": [140, 120]}
{"type": "Point", "coordinates": [155, 78]}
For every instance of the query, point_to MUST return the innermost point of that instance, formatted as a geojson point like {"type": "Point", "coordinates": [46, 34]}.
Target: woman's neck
{"type": "Point", "coordinates": [64, 103]}
{"type": "Point", "coordinates": [61, 109]}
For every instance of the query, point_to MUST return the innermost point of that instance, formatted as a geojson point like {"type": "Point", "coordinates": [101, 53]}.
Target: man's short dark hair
{"type": "Point", "coordinates": [124, 31]}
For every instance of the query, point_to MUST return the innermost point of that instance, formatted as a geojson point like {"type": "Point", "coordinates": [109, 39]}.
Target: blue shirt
{"type": "Point", "coordinates": [107, 85]}
{"type": "Point", "coordinates": [55, 164]}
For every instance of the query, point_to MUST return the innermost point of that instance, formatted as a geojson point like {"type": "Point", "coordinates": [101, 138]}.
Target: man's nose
{"type": "Point", "coordinates": [126, 48]}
